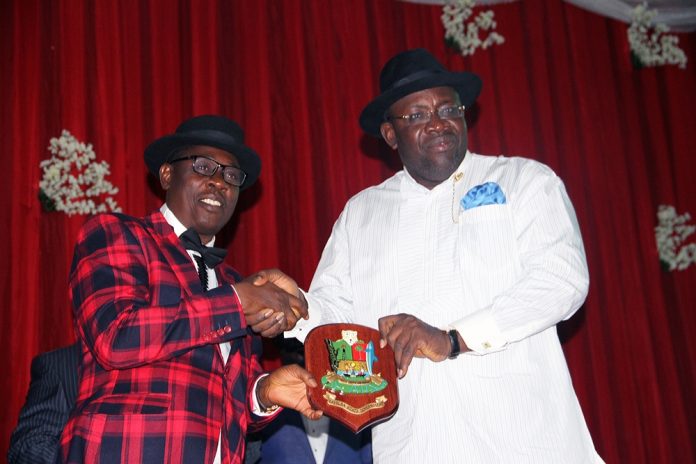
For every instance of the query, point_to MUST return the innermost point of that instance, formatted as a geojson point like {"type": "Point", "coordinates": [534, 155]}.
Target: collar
{"type": "Point", "coordinates": [410, 185]}
{"type": "Point", "coordinates": [173, 221]}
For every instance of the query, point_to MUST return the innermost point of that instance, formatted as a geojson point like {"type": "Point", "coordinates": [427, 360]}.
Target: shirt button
{"type": "Point", "coordinates": [486, 345]}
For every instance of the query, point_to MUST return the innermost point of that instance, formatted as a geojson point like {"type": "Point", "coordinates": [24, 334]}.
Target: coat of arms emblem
{"type": "Point", "coordinates": [357, 377]}
{"type": "Point", "coordinates": [352, 364]}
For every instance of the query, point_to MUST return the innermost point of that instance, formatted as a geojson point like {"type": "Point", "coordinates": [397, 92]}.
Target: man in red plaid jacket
{"type": "Point", "coordinates": [170, 366]}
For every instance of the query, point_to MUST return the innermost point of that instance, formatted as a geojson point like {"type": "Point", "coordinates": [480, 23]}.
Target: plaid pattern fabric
{"type": "Point", "coordinates": [153, 387]}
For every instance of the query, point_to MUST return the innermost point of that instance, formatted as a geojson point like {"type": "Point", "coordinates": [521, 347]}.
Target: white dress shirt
{"type": "Point", "coordinates": [503, 275]}
{"type": "Point", "coordinates": [317, 435]}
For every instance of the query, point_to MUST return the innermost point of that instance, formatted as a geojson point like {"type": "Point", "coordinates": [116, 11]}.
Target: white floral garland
{"type": "Point", "coordinates": [72, 179]}
{"type": "Point", "coordinates": [463, 35]}
{"type": "Point", "coordinates": [650, 46]}
{"type": "Point", "coordinates": [670, 234]}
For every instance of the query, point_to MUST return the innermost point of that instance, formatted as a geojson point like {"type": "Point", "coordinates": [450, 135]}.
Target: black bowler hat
{"type": "Point", "coordinates": [409, 72]}
{"type": "Point", "coordinates": [214, 131]}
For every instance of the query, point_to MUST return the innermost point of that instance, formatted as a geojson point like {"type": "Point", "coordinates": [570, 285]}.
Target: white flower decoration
{"type": "Point", "coordinates": [463, 35]}
{"type": "Point", "coordinates": [650, 45]}
{"type": "Point", "coordinates": [73, 179]}
{"type": "Point", "coordinates": [670, 234]}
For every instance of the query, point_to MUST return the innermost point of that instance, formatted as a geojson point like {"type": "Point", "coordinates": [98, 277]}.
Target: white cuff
{"type": "Point", "coordinates": [255, 406]}
{"type": "Point", "coordinates": [480, 333]}
{"type": "Point", "coordinates": [303, 327]}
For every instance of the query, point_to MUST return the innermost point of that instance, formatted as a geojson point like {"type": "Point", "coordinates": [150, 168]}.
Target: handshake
{"type": "Point", "coordinates": [272, 302]}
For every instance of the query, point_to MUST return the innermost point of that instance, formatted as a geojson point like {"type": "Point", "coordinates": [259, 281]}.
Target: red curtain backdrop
{"type": "Point", "coordinates": [296, 74]}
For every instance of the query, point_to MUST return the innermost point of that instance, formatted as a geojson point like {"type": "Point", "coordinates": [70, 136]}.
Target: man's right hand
{"type": "Point", "coordinates": [268, 308]}
{"type": "Point", "coordinates": [410, 337]}
{"type": "Point", "coordinates": [287, 283]}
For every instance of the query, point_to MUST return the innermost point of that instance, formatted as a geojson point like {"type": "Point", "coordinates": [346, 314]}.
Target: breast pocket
{"type": "Point", "coordinates": [487, 247]}
{"type": "Point", "coordinates": [130, 403]}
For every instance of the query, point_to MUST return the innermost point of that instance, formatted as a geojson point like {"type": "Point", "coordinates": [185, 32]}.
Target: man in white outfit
{"type": "Point", "coordinates": [465, 263]}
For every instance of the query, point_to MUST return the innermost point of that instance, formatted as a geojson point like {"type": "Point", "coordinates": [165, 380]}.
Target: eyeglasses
{"type": "Point", "coordinates": [208, 167]}
{"type": "Point", "coordinates": [422, 117]}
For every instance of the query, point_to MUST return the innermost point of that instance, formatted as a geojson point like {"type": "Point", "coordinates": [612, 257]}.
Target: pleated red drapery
{"type": "Point", "coordinates": [296, 74]}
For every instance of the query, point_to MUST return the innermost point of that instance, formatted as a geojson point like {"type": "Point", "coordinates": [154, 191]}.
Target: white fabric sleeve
{"type": "Point", "coordinates": [331, 284]}
{"type": "Point", "coordinates": [304, 326]}
{"type": "Point", "coordinates": [554, 279]}
{"type": "Point", "coordinates": [480, 333]}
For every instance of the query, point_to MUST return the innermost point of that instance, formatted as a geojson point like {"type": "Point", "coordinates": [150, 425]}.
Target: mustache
{"type": "Point", "coordinates": [439, 138]}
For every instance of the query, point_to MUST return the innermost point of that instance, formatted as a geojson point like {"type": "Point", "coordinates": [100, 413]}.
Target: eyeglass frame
{"type": "Point", "coordinates": [411, 121]}
{"type": "Point", "coordinates": [217, 167]}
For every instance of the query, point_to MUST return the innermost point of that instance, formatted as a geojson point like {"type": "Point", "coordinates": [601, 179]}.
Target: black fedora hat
{"type": "Point", "coordinates": [214, 131]}
{"type": "Point", "coordinates": [409, 72]}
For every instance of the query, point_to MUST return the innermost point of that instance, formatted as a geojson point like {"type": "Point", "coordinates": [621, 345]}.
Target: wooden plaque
{"type": "Point", "coordinates": [357, 379]}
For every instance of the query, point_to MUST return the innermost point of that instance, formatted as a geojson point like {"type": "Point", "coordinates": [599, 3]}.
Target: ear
{"type": "Point", "coordinates": [389, 134]}
{"type": "Point", "coordinates": [165, 176]}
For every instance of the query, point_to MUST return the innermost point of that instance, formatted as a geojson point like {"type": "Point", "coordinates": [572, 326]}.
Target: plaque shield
{"type": "Point", "coordinates": [357, 379]}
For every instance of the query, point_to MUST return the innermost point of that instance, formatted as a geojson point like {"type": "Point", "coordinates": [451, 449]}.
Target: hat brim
{"type": "Point", "coordinates": [158, 152]}
{"type": "Point", "coordinates": [466, 84]}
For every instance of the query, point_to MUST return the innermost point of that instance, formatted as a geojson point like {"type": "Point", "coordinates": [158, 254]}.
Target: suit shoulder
{"type": "Point", "coordinates": [66, 357]}
{"type": "Point", "coordinates": [110, 221]}
{"type": "Point", "coordinates": [390, 185]}
{"type": "Point", "coordinates": [69, 353]}
{"type": "Point", "coordinates": [102, 229]}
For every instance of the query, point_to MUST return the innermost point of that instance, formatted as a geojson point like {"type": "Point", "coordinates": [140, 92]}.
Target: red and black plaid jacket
{"type": "Point", "coordinates": [154, 387]}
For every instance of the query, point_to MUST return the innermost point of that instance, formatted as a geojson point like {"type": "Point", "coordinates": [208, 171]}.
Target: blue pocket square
{"type": "Point", "coordinates": [484, 194]}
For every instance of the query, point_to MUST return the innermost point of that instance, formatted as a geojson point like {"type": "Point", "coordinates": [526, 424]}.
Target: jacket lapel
{"type": "Point", "coordinates": [174, 253]}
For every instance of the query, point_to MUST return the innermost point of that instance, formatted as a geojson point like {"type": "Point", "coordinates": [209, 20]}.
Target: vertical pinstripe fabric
{"type": "Point", "coordinates": [51, 396]}
{"type": "Point", "coordinates": [504, 275]}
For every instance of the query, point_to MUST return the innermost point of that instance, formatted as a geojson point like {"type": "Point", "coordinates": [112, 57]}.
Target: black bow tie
{"type": "Point", "coordinates": [212, 256]}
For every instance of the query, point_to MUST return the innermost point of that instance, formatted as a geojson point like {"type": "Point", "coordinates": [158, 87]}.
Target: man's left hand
{"type": "Point", "coordinates": [287, 387]}
{"type": "Point", "coordinates": [410, 337]}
